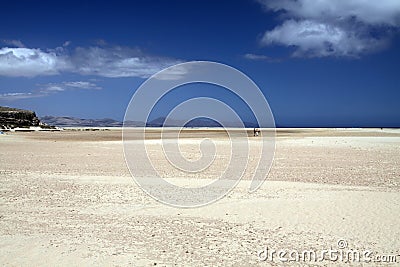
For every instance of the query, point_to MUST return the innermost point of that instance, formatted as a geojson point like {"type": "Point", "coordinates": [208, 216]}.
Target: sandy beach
{"type": "Point", "coordinates": [67, 198]}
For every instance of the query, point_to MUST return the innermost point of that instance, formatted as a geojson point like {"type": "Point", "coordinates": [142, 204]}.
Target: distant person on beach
{"type": "Point", "coordinates": [256, 131]}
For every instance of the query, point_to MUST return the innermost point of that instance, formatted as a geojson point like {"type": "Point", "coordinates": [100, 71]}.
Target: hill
{"type": "Point", "coordinates": [11, 118]}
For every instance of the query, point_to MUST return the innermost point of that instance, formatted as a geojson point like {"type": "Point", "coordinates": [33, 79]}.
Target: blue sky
{"type": "Point", "coordinates": [319, 63]}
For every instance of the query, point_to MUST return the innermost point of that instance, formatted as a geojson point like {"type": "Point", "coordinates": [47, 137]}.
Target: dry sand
{"type": "Point", "coordinates": [67, 199]}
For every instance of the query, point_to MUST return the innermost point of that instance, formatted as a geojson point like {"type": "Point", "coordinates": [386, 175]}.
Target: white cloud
{"type": "Point", "coordinates": [52, 88]}
{"type": "Point", "coordinates": [261, 58]}
{"type": "Point", "coordinates": [333, 28]}
{"type": "Point", "coordinates": [81, 85]}
{"type": "Point", "coordinates": [366, 11]}
{"type": "Point", "coordinates": [49, 89]}
{"type": "Point", "coordinates": [16, 96]}
{"type": "Point", "coordinates": [255, 57]}
{"type": "Point", "coordinates": [64, 86]}
{"type": "Point", "coordinates": [173, 73]}
{"type": "Point", "coordinates": [28, 62]}
{"type": "Point", "coordinates": [117, 62]}
{"type": "Point", "coordinates": [16, 43]}
{"type": "Point", "coordinates": [316, 39]}
{"type": "Point", "coordinates": [98, 61]}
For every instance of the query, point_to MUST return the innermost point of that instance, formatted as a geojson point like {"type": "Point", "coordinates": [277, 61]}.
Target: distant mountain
{"type": "Point", "coordinates": [203, 122]}
{"type": "Point", "coordinates": [159, 122]}
{"type": "Point", "coordinates": [78, 122]}
{"type": "Point", "coordinates": [198, 122]}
